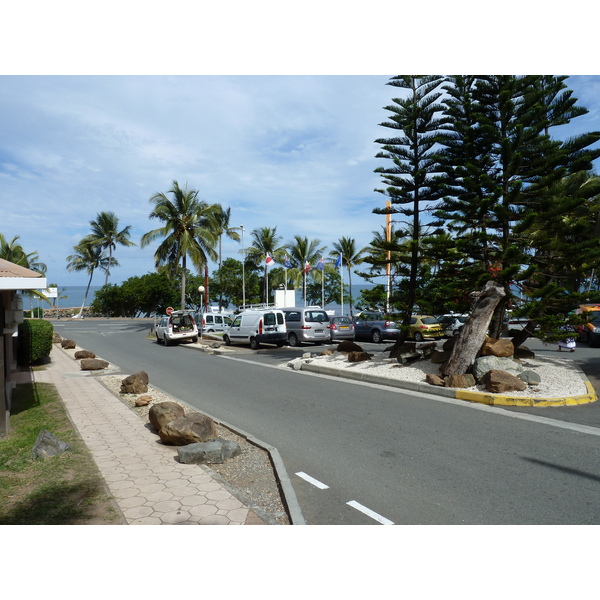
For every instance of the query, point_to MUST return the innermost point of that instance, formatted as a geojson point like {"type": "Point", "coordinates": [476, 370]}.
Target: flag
{"type": "Point", "coordinates": [286, 263]}
{"type": "Point", "coordinates": [269, 260]}
{"type": "Point", "coordinates": [321, 264]}
{"type": "Point", "coordinates": [306, 267]}
{"type": "Point", "coordinates": [338, 262]}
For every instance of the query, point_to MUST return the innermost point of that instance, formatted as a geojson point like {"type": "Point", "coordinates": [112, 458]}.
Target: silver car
{"type": "Point", "coordinates": [341, 329]}
{"type": "Point", "coordinates": [306, 324]}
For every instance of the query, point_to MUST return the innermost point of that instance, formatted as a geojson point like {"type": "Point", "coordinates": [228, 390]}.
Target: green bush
{"type": "Point", "coordinates": [34, 341]}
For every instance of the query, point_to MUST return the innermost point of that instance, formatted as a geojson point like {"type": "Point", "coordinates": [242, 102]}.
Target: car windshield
{"type": "Point", "coordinates": [316, 316]}
{"type": "Point", "coordinates": [342, 320]}
{"type": "Point", "coordinates": [430, 321]}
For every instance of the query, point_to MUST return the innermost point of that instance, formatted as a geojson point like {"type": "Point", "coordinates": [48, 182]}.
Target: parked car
{"type": "Point", "coordinates": [590, 331]}
{"type": "Point", "coordinates": [256, 327]}
{"type": "Point", "coordinates": [425, 326]}
{"type": "Point", "coordinates": [211, 322]}
{"type": "Point", "coordinates": [452, 323]}
{"type": "Point", "coordinates": [177, 327]}
{"type": "Point", "coordinates": [341, 329]}
{"type": "Point", "coordinates": [374, 327]}
{"type": "Point", "coordinates": [306, 324]}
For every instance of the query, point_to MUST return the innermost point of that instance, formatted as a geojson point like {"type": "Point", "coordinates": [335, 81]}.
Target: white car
{"type": "Point", "coordinates": [177, 327]}
{"type": "Point", "coordinates": [452, 323]}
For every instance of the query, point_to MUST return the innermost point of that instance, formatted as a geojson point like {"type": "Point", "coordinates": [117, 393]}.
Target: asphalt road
{"type": "Point", "coordinates": [363, 454]}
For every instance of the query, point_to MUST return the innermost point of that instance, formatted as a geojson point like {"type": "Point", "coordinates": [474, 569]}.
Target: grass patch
{"type": "Point", "coordinates": [61, 490]}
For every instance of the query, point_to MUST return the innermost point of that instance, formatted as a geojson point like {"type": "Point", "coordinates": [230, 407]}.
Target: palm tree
{"type": "Point", "coordinates": [13, 252]}
{"type": "Point", "coordinates": [221, 226]}
{"type": "Point", "coordinates": [88, 257]}
{"type": "Point", "coordinates": [106, 234]}
{"type": "Point", "coordinates": [350, 257]}
{"type": "Point", "coordinates": [304, 252]}
{"type": "Point", "coordinates": [188, 230]}
{"type": "Point", "coordinates": [265, 243]}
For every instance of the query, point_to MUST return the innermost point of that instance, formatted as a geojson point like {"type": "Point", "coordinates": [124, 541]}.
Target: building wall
{"type": "Point", "coordinates": [5, 386]}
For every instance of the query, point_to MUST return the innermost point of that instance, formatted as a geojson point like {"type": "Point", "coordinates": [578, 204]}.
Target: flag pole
{"type": "Point", "coordinates": [323, 285]}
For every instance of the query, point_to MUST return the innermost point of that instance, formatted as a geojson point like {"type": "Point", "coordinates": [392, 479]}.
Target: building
{"type": "Point", "coordinates": [13, 280]}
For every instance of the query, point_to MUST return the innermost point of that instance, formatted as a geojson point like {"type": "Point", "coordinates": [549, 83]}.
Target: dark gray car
{"type": "Point", "coordinates": [374, 327]}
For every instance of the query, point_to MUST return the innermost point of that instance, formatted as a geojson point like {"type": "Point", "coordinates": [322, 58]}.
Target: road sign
{"type": "Point", "coordinates": [169, 310]}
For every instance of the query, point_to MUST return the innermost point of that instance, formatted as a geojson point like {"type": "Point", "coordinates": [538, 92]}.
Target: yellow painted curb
{"type": "Point", "coordinates": [497, 400]}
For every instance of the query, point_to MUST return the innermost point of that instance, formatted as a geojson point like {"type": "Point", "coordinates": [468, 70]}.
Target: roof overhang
{"type": "Point", "coordinates": [16, 277]}
{"type": "Point", "coordinates": [22, 283]}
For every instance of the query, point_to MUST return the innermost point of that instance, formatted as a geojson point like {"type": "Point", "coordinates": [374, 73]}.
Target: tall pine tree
{"type": "Point", "coordinates": [411, 178]}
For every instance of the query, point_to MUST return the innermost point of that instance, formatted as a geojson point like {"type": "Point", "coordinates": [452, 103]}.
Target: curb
{"type": "Point", "coordinates": [458, 394]}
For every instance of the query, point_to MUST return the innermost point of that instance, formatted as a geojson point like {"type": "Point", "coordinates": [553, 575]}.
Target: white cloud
{"type": "Point", "coordinates": [292, 152]}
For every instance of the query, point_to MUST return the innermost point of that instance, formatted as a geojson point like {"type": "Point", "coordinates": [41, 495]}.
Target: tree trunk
{"type": "Point", "coordinates": [474, 331]}
{"type": "Point", "coordinates": [524, 334]}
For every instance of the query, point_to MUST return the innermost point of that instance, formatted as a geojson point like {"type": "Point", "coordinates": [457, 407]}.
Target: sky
{"type": "Point", "coordinates": [295, 152]}
{"type": "Point", "coordinates": [281, 133]}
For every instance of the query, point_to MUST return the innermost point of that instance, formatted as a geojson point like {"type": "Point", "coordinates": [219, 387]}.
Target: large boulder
{"type": "Point", "coordinates": [359, 356]}
{"type": "Point", "coordinates": [47, 444]}
{"type": "Point", "coordinates": [189, 429]}
{"type": "Point", "coordinates": [502, 347]}
{"type": "Point", "coordinates": [56, 339]}
{"type": "Point", "coordinates": [459, 381]}
{"type": "Point", "coordinates": [500, 382]}
{"type": "Point", "coordinates": [486, 363]}
{"type": "Point", "coordinates": [347, 347]}
{"type": "Point", "coordinates": [135, 384]}
{"type": "Point", "coordinates": [84, 354]}
{"type": "Point", "coordinates": [68, 344]}
{"type": "Point", "coordinates": [523, 352]}
{"type": "Point", "coordinates": [93, 364]}
{"type": "Point", "coordinates": [530, 377]}
{"type": "Point", "coordinates": [164, 412]}
{"type": "Point", "coordinates": [432, 379]}
{"type": "Point", "coordinates": [213, 451]}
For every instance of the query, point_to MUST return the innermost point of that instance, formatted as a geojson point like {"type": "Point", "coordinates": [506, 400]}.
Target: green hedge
{"type": "Point", "coordinates": [34, 341]}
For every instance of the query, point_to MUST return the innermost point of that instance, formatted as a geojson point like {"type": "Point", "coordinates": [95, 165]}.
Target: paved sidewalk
{"type": "Point", "coordinates": [147, 482]}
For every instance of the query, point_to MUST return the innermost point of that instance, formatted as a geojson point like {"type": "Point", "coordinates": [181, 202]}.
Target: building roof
{"type": "Point", "coordinates": [15, 277]}
{"type": "Point", "coordinates": [8, 269]}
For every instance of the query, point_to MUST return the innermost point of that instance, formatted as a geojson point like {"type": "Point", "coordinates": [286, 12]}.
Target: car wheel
{"type": "Point", "coordinates": [293, 339]}
{"type": "Point", "coordinates": [254, 343]}
{"type": "Point", "coordinates": [594, 341]}
{"type": "Point", "coordinates": [195, 339]}
{"type": "Point", "coordinates": [227, 340]}
{"type": "Point", "coordinates": [418, 336]}
{"type": "Point", "coordinates": [376, 337]}
{"type": "Point", "coordinates": [279, 344]}
{"type": "Point", "coordinates": [157, 338]}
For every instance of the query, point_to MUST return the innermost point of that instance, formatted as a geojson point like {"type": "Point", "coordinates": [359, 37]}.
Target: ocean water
{"type": "Point", "coordinates": [72, 297]}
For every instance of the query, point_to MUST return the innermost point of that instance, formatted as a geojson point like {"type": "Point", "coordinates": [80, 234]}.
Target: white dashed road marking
{"type": "Point", "coordinates": [312, 480]}
{"type": "Point", "coordinates": [369, 513]}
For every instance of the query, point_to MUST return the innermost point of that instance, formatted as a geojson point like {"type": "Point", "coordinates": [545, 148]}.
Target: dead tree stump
{"type": "Point", "coordinates": [474, 331]}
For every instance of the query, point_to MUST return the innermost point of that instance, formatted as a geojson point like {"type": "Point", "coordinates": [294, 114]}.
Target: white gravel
{"type": "Point", "coordinates": [559, 378]}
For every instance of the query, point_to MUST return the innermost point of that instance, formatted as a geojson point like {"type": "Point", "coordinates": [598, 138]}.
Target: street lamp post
{"type": "Point", "coordinates": [243, 270]}
{"type": "Point", "coordinates": [201, 290]}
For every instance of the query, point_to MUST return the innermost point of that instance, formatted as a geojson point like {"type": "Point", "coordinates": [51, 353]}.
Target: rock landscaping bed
{"type": "Point", "coordinates": [544, 377]}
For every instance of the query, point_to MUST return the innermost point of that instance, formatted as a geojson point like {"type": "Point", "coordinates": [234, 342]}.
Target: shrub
{"type": "Point", "coordinates": [34, 341]}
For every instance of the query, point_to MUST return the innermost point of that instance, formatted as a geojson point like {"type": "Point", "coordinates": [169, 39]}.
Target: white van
{"type": "Point", "coordinates": [211, 322]}
{"type": "Point", "coordinates": [256, 327]}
